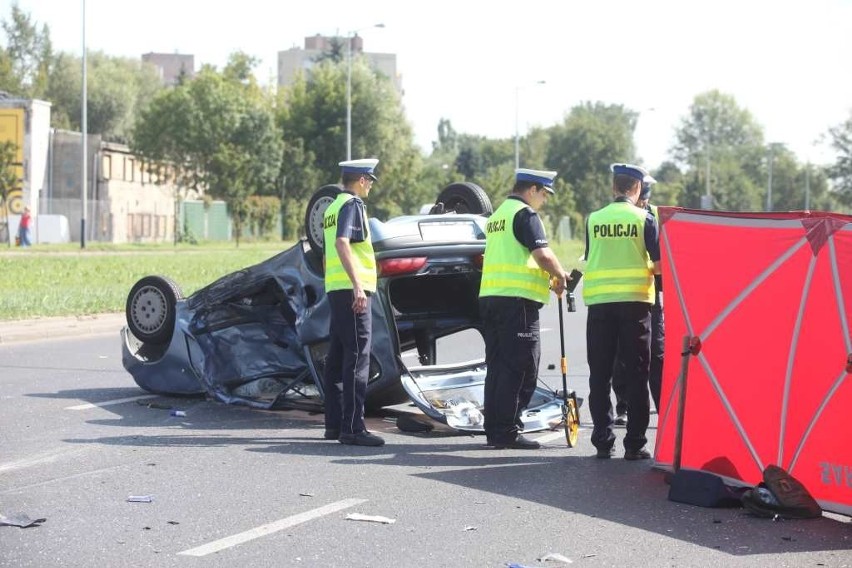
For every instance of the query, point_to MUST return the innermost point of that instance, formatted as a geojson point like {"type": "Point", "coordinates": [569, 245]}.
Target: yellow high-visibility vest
{"type": "Point", "coordinates": [362, 253]}
{"type": "Point", "coordinates": [509, 268]}
{"type": "Point", "coordinates": [618, 268]}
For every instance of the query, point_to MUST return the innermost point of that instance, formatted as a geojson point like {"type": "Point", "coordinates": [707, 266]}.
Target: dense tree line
{"type": "Point", "coordinates": [221, 132]}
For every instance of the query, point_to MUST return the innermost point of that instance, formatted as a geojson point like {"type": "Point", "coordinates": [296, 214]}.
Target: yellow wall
{"type": "Point", "coordinates": [12, 129]}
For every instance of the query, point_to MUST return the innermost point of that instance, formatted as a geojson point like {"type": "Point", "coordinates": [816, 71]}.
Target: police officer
{"type": "Point", "coordinates": [619, 292]}
{"type": "Point", "coordinates": [515, 285]}
{"type": "Point", "coordinates": [350, 279]}
{"type": "Point", "coordinates": [658, 334]}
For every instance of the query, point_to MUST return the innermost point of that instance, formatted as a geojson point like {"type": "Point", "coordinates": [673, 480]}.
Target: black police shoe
{"type": "Point", "coordinates": [621, 419]}
{"type": "Point", "coordinates": [519, 443]}
{"type": "Point", "coordinates": [605, 453]}
{"type": "Point", "coordinates": [640, 454]}
{"type": "Point", "coordinates": [331, 434]}
{"type": "Point", "coordinates": [361, 439]}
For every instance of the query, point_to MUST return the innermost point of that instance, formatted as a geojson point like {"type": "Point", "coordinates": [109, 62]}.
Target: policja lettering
{"type": "Point", "coordinates": [613, 230]}
{"type": "Point", "coordinates": [329, 221]}
{"type": "Point", "coordinates": [495, 226]}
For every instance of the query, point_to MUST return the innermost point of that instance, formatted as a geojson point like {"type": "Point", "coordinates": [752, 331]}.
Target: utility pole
{"type": "Point", "coordinates": [85, 131]}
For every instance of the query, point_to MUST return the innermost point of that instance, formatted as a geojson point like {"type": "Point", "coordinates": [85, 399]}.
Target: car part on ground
{"type": "Point", "coordinates": [454, 395]}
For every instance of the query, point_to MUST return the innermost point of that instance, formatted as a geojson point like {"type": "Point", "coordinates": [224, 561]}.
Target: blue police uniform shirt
{"type": "Point", "coordinates": [651, 233]}
{"type": "Point", "coordinates": [527, 227]}
{"type": "Point", "coordinates": [351, 220]}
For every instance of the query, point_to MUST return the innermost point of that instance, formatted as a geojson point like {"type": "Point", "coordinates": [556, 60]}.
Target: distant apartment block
{"type": "Point", "coordinates": [171, 65]}
{"type": "Point", "coordinates": [296, 59]}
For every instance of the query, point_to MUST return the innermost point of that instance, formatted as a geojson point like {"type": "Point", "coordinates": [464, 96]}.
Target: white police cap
{"type": "Point", "coordinates": [542, 177]}
{"type": "Point", "coordinates": [636, 172]}
{"type": "Point", "coordinates": [647, 182]}
{"type": "Point", "coordinates": [365, 166]}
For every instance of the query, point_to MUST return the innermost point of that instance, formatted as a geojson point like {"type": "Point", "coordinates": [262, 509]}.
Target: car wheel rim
{"type": "Point", "coordinates": [317, 214]}
{"type": "Point", "coordinates": [149, 309]}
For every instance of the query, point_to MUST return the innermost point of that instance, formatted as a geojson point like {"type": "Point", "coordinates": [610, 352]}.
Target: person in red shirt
{"type": "Point", "coordinates": [24, 228]}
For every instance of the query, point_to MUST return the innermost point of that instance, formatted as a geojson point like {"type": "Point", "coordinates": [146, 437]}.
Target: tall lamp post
{"type": "Point", "coordinates": [84, 130]}
{"type": "Point", "coordinates": [349, 37]}
{"type": "Point", "coordinates": [517, 132]}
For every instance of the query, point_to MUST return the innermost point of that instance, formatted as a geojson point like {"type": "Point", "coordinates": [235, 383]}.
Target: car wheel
{"type": "Point", "coordinates": [151, 308]}
{"type": "Point", "coordinates": [465, 197]}
{"type": "Point", "coordinates": [319, 202]}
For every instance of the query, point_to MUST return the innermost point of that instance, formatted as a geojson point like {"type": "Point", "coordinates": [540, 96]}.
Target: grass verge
{"type": "Point", "coordinates": [63, 280]}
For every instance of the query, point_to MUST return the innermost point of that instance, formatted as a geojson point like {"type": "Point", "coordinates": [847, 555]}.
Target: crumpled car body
{"type": "Point", "coordinates": [259, 336]}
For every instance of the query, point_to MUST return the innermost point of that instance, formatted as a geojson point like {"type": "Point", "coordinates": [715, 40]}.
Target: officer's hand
{"type": "Point", "coordinates": [558, 284]}
{"type": "Point", "coordinates": [359, 301]}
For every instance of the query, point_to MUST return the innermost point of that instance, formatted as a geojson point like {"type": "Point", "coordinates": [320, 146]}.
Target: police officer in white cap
{"type": "Point", "coordinates": [622, 256]}
{"type": "Point", "coordinates": [658, 334]}
{"type": "Point", "coordinates": [350, 280]}
{"type": "Point", "coordinates": [515, 285]}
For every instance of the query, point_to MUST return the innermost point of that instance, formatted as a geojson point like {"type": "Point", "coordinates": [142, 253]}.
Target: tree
{"type": "Point", "coordinates": [117, 90]}
{"type": "Point", "coordinates": [669, 186]}
{"type": "Point", "coordinates": [841, 171]}
{"type": "Point", "coordinates": [582, 148]}
{"type": "Point", "coordinates": [312, 118]}
{"type": "Point", "coordinates": [718, 132]}
{"type": "Point", "coordinates": [214, 133]}
{"type": "Point", "coordinates": [25, 60]}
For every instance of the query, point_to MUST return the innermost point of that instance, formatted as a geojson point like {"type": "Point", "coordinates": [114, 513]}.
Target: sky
{"type": "Point", "coordinates": [480, 64]}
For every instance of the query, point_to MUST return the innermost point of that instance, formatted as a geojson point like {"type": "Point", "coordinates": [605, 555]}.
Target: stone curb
{"type": "Point", "coordinates": [13, 331]}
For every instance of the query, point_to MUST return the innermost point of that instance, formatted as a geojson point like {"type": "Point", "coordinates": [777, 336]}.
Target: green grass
{"type": "Point", "coordinates": [61, 280]}
{"type": "Point", "coordinates": [64, 280]}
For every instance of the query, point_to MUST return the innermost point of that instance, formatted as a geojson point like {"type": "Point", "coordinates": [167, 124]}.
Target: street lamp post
{"type": "Point", "coordinates": [349, 37]}
{"type": "Point", "coordinates": [517, 132]}
{"type": "Point", "coordinates": [84, 131]}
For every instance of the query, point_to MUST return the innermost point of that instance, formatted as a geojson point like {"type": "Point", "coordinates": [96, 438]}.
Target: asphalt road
{"type": "Point", "coordinates": [231, 486]}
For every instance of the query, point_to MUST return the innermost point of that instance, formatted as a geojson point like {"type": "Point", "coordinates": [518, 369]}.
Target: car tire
{"type": "Point", "coordinates": [465, 197]}
{"type": "Point", "coordinates": [318, 203]}
{"type": "Point", "coordinates": [151, 309]}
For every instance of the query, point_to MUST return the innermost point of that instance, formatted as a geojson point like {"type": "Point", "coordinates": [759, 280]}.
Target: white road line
{"type": "Point", "coordinates": [550, 437]}
{"type": "Point", "coordinates": [560, 435]}
{"type": "Point", "coordinates": [270, 528]}
{"type": "Point", "coordinates": [89, 405]}
{"type": "Point", "coordinates": [45, 457]}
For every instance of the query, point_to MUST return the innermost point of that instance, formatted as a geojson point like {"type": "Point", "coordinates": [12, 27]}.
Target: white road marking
{"type": "Point", "coordinates": [43, 458]}
{"type": "Point", "coordinates": [90, 405]}
{"type": "Point", "coordinates": [61, 479]}
{"type": "Point", "coordinates": [270, 528]}
{"type": "Point", "coordinates": [560, 435]}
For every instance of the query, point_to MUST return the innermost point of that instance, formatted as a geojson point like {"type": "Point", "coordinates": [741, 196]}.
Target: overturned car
{"type": "Point", "coordinates": [259, 336]}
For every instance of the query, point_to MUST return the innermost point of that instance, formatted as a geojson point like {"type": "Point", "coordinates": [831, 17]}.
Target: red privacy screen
{"type": "Point", "coordinates": [769, 296]}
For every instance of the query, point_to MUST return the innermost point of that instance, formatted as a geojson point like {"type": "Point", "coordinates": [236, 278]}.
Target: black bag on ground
{"type": "Point", "coordinates": [703, 489]}
{"type": "Point", "coordinates": [780, 494]}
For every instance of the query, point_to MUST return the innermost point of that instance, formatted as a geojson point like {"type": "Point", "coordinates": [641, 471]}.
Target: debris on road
{"type": "Point", "coordinates": [140, 499]}
{"type": "Point", "coordinates": [408, 423]}
{"type": "Point", "coordinates": [20, 520]}
{"type": "Point", "coordinates": [370, 518]}
{"type": "Point", "coordinates": [555, 557]}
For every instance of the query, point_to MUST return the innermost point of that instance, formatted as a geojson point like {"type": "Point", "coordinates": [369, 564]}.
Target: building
{"type": "Point", "coordinates": [126, 201]}
{"type": "Point", "coordinates": [295, 60]}
{"type": "Point", "coordinates": [25, 123]}
{"type": "Point", "coordinates": [171, 65]}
